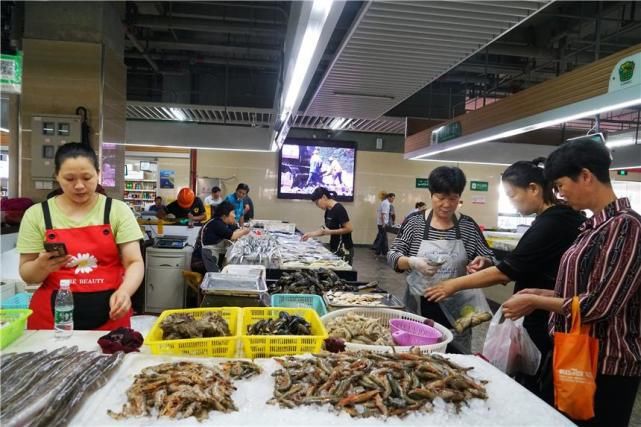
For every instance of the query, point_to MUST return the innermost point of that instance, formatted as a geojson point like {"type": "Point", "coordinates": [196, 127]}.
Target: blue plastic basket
{"type": "Point", "coordinates": [18, 301]}
{"type": "Point", "coordinates": [300, 301]}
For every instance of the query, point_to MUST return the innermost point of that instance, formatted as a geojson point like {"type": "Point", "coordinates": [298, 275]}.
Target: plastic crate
{"type": "Point", "coordinates": [256, 346]}
{"type": "Point", "coordinates": [197, 347]}
{"type": "Point", "coordinates": [384, 315]}
{"type": "Point", "coordinates": [300, 301]}
{"type": "Point", "coordinates": [13, 323]}
{"type": "Point", "coordinates": [18, 301]}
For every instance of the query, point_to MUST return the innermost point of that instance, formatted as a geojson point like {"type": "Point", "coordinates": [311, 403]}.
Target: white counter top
{"type": "Point", "coordinates": [509, 404]}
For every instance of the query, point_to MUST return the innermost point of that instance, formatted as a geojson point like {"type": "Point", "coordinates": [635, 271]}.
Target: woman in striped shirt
{"type": "Point", "coordinates": [602, 268]}
{"type": "Point", "coordinates": [439, 244]}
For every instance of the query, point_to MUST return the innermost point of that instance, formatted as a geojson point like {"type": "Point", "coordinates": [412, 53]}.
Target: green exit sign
{"type": "Point", "coordinates": [479, 186]}
{"type": "Point", "coordinates": [422, 183]}
{"type": "Point", "coordinates": [622, 173]}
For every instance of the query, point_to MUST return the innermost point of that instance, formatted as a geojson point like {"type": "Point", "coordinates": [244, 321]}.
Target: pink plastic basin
{"type": "Point", "coordinates": [409, 332]}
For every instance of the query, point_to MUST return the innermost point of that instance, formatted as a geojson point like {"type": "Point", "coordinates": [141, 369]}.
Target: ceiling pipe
{"type": "Point", "coordinates": [206, 26]}
{"type": "Point", "coordinates": [138, 46]}
{"type": "Point", "coordinates": [219, 49]}
{"type": "Point", "coordinates": [192, 60]}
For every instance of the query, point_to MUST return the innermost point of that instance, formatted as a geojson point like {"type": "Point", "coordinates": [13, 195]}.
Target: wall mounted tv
{"type": "Point", "coordinates": [304, 164]}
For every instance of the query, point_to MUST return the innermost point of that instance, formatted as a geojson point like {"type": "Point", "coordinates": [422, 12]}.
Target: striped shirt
{"type": "Point", "coordinates": [411, 234]}
{"type": "Point", "coordinates": [603, 267]}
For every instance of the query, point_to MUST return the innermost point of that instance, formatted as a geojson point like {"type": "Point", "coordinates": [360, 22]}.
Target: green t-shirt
{"type": "Point", "coordinates": [32, 227]}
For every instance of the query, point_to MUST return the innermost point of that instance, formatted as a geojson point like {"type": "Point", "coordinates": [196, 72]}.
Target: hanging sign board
{"type": "Point", "coordinates": [11, 73]}
{"type": "Point", "coordinates": [626, 73]}
{"type": "Point", "coordinates": [445, 133]}
{"type": "Point", "coordinates": [479, 186]}
{"type": "Point", "coordinates": [422, 183]}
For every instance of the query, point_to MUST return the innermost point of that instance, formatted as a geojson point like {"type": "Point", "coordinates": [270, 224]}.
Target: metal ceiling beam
{"type": "Point", "coordinates": [207, 26]}
{"type": "Point", "coordinates": [194, 60]}
{"type": "Point", "coordinates": [137, 45]}
{"type": "Point", "coordinates": [217, 49]}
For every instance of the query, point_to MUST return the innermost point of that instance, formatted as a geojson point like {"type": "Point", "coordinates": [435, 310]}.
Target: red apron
{"type": "Point", "coordinates": [95, 273]}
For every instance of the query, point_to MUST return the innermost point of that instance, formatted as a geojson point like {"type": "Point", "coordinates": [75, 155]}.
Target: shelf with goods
{"type": "Point", "coordinates": [139, 192]}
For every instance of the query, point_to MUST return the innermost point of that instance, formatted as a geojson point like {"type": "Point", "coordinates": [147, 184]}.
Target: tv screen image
{"type": "Point", "coordinates": [307, 164]}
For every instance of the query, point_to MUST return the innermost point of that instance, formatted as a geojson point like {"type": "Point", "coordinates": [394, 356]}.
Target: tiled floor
{"type": "Point", "coordinates": [370, 267]}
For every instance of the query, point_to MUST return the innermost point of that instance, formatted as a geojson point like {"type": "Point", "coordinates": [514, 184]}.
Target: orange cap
{"type": "Point", "coordinates": [185, 198]}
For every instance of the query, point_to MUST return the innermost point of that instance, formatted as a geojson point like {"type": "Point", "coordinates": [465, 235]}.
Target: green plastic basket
{"type": "Point", "coordinates": [13, 322]}
{"type": "Point", "coordinates": [300, 301]}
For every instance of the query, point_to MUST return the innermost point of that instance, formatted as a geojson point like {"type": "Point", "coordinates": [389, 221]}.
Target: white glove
{"type": "Point", "coordinates": [420, 264]}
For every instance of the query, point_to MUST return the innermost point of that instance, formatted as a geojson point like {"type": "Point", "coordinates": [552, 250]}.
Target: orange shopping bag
{"type": "Point", "coordinates": [575, 366]}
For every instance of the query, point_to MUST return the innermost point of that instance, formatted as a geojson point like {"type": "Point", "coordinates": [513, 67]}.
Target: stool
{"type": "Point", "coordinates": [193, 279]}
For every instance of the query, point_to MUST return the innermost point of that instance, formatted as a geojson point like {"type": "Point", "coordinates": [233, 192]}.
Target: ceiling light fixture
{"type": "Point", "coordinates": [613, 101]}
{"type": "Point", "coordinates": [317, 18]}
{"type": "Point", "coordinates": [192, 148]}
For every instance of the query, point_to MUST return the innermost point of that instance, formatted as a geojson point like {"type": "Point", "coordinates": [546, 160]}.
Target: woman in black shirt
{"type": "Point", "coordinates": [535, 260]}
{"type": "Point", "coordinates": [215, 232]}
{"type": "Point", "coordinates": [337, 224]}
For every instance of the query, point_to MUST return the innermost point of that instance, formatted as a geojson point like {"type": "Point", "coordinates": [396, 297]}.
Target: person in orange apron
{"type": "Point", "coordinates": [103, 260]}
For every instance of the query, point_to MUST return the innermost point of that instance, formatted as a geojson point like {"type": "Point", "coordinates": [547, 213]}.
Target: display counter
{"type": "Point", "coordinates": [508, 403]}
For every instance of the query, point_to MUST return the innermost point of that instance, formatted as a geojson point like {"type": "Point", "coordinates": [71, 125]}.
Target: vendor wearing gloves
{"type": "Point", "coordinates": [337, 224]}
{"type": "Point", "coordinates": [602, 268]}
{"type": "Point", "coordinates": [187, 206]}
{"type": "Point", "coordinates": [213, 234]}
{"type": "Point", "coordinates": [437, 245]}
{"type": "Point", "coordinates": [101, 237]}
{"type": "Point", "coordinates": [535, 260]}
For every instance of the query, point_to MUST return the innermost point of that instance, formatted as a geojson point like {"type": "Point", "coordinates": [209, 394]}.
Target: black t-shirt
{"type": "Point", "coordinates": [212, 232]}
{"type": "Point", "coordinates": [197, 208]}
{"type": "Point", "coordinates": [535, 261]}
{"type": "Point", "coordinates": [334, 219]}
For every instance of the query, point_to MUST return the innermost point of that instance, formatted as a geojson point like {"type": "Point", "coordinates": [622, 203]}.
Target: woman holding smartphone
{"type": "Point", "coordinates": [100, 239]}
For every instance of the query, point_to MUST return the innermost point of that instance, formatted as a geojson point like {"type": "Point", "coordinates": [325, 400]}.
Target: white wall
{"type": "Point", "coordinates": [375, 172]}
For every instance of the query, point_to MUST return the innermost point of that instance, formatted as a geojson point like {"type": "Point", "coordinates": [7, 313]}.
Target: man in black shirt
{"type": "Point", "coordinates": [187, 205]}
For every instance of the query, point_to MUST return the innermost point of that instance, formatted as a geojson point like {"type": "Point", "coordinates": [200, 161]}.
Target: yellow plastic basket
{"type": "Point", "coordinates": [197, 347]}
{"type": "Point", "coordinates": [256, 346]}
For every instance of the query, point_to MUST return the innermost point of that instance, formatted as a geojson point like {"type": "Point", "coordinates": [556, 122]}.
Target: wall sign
{"type": "Point", "coordinates": [445, 133]}
{"type": "Point", "coordinates": [167, 178]}
{"type": "Point", "coordinates": [422, 183]}
{"type": "Point", "coordinates": [479, 186]}
{"type": "Point", "coordinates": [626, 73]}
{"type": "Point", "coordinates": [11, 73]}
{"type": "Point", "coordinates": [479, 200]}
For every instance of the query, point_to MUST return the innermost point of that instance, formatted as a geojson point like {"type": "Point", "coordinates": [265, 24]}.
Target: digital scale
{"type": "Point", "coordinates": [170, 242]}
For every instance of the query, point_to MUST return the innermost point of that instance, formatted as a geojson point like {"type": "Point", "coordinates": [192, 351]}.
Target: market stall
{"type": "Point", "coordinates": [507, 402]}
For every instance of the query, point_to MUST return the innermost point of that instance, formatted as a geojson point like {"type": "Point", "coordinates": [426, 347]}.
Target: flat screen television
{"type": "Point", "coordinates": [304, 164]}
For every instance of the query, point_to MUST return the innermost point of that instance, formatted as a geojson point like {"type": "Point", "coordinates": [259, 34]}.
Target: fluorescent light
{"type": "Point", "coordinates": [338, 122]}
{"type": "Point", "coordinates": [498, 134]}
{"type": "Point", "coordinates": [620, 142]}
{"type": "Point", "coordinates": [4, 130]}
{"type": "Point", "coordinates": [317, 17]}
{"type": "Point", "coordinates": [467, 162]}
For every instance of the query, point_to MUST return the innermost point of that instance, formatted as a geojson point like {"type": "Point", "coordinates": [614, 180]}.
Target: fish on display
{"type": "Point", "coordinates": [366, 384]}
{"type": "Point", "coordinates": [45, 388]}
{"type": "Point", "coordinates": [310, 282]}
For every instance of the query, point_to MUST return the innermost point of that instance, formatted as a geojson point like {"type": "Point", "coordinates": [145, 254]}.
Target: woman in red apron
{"type": "Point", "coordinates": [103, 274]}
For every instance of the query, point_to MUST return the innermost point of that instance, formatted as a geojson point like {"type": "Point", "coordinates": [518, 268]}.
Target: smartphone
{"type": "Point", "coordinates": [59, 248]}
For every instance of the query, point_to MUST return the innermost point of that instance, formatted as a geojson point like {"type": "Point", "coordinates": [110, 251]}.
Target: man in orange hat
{"type": "Point", "coordinates": [187, 205]}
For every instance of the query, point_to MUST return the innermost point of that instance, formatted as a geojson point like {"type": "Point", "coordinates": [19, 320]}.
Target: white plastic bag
{"type": "Point", "coordinates": [509, 347]}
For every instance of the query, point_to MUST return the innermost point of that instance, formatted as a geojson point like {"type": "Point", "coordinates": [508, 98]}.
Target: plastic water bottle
{"type": "Point", "coordinates": [63, 311]}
